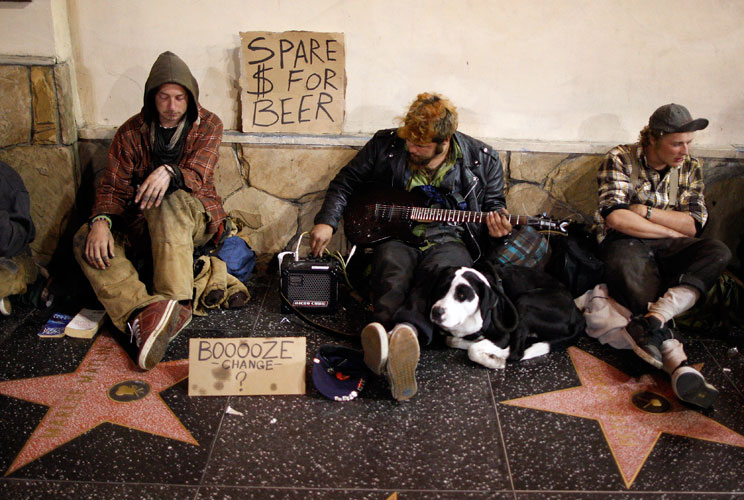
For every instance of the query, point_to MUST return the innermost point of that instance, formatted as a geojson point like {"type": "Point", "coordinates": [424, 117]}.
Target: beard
{"type": "Point", "coordinates": [422, 160]}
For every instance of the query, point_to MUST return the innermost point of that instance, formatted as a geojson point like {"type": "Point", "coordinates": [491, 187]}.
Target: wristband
{"type": "Point", "coordinates": [648, 213]}
{"type": "Point", "coordinates": [101, 217]}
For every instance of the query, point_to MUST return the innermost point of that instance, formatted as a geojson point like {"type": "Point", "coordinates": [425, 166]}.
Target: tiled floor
{"type": "Point", "coordinates": [559, 427]}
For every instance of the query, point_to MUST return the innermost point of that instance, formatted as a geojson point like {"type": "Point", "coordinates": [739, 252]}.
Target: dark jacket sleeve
{"type": "Point", "coordinates": [494, 198]}
{"type": "Point", "coordinates": [16, 227]}
{"type": "Point", "coordinates": [483, 175]}
{"type": "Point", "coordinates": [364, 167]}
{"type": "Point", "coordinates": [483, 189]}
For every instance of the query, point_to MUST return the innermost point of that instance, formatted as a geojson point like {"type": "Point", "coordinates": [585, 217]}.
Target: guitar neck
{"type": "Point", "coordinates": [422, 214]}
{"type": "Point", "coordinates": [377, 214]}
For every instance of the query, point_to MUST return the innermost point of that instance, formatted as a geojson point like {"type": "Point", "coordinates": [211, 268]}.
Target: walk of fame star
{"type": "Point", "coordinates": [106, 387]}
{"type": "Point", "coordinates": [632, 413]}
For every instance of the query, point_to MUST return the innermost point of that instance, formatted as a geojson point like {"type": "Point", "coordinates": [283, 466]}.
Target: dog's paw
{"type": "Point", "coordinates": [535, 350]}
{"type": "Point", "coordinates": [457, 342]}
{"type": "Point", "coordinates": [486, 353]}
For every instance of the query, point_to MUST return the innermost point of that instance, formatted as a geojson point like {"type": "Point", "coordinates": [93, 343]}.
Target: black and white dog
{"type": "Point", "coordinates": [504, 312]}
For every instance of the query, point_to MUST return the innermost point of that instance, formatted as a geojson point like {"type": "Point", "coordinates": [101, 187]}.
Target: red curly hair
{"type": "Point", "coordinates": [431, 118]}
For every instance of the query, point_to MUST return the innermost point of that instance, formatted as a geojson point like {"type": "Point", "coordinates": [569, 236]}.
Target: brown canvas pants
{"type": "Point", "coordinates": [175, 228]}
{"type": "Point", "coordinates": [15, 274]}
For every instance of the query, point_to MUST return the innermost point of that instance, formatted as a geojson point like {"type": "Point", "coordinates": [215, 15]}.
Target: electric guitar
{"type": "Point", "coordinates": [377, 214]}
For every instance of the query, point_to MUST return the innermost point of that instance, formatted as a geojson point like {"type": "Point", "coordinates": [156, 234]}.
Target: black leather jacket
{"type": "Point", "coordinates": [478, 177]}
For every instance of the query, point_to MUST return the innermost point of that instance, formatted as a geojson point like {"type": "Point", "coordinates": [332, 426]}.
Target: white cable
{"type": "Point", "coordinates": [351, 253]}
{"type": "Point", "coordinates": [297, 248]}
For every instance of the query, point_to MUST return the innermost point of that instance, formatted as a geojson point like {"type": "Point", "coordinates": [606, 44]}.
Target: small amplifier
{"type": "Point", "coordinates": [310, 285]}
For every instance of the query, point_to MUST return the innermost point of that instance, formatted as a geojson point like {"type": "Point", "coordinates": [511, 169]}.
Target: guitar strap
{"type": "Point", "coordinates": [459, 201]}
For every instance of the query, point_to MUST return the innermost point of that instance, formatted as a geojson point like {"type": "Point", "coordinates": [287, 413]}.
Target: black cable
{"type": "Point", "coordinates": [314, 324]}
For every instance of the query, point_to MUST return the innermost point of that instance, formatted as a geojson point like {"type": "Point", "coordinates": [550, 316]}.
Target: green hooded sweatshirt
{"type": "Point", "coordinates": [169, 68]}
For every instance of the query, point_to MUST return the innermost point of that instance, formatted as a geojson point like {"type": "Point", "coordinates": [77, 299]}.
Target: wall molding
{"type": "Point", "coordinates": [356, 141]}
{"type": "Point", "coordinates": [28, 60]}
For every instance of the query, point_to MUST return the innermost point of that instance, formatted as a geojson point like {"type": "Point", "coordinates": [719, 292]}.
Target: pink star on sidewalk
{"type": "Point", "coordinates": [606, 395]}
{"type": "Point", "coordinates": [84, 399]}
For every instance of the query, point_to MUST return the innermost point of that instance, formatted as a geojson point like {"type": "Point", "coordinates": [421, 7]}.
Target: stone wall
{"type": "Point", "coordinates": [278, 190]}
{"type": "Point", "coordinates": [565, 185]}
{"type": "Point", "coordinates": [38, 139]}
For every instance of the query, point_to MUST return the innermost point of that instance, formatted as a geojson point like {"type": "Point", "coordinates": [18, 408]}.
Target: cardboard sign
{"type": "Point", "coordinates": [292, 82]}
{"type": "Point", "coordinates": [246, 366]}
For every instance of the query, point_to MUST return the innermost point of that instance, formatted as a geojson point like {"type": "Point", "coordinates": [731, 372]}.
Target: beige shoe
{"type": "Point", "coordinates": [403, 357]}
{"type": "Point", "coordinates": [5, 308]}
{"type": "Point", "coordinates": [375, 347]}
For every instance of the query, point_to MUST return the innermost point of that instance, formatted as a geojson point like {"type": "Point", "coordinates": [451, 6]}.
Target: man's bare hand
{"type": "Point", "coordinates": [639, 209]}
{"type": "Point", "coordinates": [498, 224]}
{"type": "Point", "coordinates": [99, 247]}
{"type": "Point", "coordinates": [320, 236]}
{"type": "Point", "coordinates": [151, 192]}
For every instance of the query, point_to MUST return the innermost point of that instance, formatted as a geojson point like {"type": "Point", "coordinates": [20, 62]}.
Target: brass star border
{"type": "Point", "coordinates": [80, 401]}
{"type": "Point", "coordinates": [606, 395]}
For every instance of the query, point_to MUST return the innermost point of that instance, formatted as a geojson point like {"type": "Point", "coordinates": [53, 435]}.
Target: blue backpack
{"type": "Point", "coordinates": [238, 256]}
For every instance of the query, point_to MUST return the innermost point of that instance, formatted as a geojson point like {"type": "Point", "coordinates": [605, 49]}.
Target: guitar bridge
{"type": "Point", "coordinates": [383, 213]}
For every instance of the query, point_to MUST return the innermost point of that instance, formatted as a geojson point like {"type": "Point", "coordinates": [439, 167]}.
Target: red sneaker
{"type": "Point", "coordinates": [151, 329]}
{"type": "Point", "coordinates": [179, 320]}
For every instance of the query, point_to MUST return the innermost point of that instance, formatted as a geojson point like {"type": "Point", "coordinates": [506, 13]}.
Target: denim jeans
{"type": "Point", "coordinates": [639, 271]}
{"type": "Point", "coordinates": [403, 278]}
{"type": "Point", "coordinates": [174, 229]}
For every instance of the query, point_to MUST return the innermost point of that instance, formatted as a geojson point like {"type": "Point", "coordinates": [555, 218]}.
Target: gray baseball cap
{"type": "Point", "coordinates": [672, 118]}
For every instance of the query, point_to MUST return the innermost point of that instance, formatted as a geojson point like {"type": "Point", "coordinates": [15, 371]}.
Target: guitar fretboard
{"type": "Point", "coordinates": [422, 214]}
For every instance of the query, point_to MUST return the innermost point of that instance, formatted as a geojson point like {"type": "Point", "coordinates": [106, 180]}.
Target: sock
{"type": "Point", "coordinates": [672, 355]}
{"type": "Point", "coordinates": [676, 300]}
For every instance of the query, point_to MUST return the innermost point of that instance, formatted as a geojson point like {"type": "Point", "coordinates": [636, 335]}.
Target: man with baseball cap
{"type": "Point", "coordinates": [651, 210]}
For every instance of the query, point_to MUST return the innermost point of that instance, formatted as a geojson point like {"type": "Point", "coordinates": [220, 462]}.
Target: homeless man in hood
{"type": "Point", "coordinates": [156, 201]}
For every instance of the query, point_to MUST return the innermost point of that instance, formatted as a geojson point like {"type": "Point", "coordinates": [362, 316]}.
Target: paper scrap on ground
{"type": "Point", "coordinates": [231, 411]}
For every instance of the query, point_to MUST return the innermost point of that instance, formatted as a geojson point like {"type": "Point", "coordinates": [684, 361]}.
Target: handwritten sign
{"type": "Point", "coordinates": [246, 366]}
{"type": "Point", "coordinates": [293, 82]}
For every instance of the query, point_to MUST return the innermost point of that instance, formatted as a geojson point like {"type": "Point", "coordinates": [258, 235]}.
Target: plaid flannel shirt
{"type": "Point", "coordinates": [524, 247]}
{"type": "Point", "coordinates": [652, 189]}
{"type": "Point", "coordinates": [129, 164]}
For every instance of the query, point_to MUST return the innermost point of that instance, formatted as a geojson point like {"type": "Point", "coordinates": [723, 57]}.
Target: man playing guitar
{"type": "Point", "coordinates": [428, 154]}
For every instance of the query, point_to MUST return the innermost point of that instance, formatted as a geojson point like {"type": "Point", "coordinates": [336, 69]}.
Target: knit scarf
{"type": "Point", "coordinates": [165, 150]}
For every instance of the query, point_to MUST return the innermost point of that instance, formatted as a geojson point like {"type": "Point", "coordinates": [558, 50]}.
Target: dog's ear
{"type": "Point", "coordinates": [486, 297]}
{"type": "Point", "coordinates": [503, 317]}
